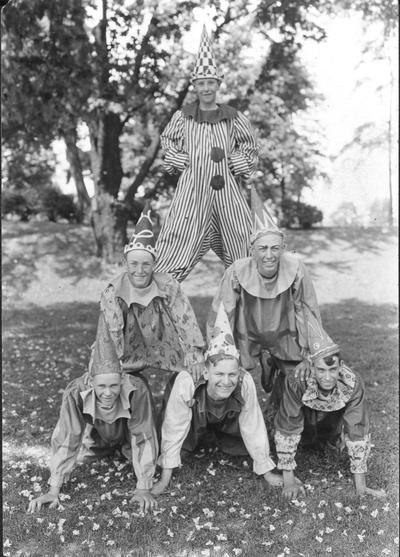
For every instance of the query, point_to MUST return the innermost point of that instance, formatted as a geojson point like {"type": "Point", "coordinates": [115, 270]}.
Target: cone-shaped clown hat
{"type": "Point", "coordinates": [320, 343]}
{"type": "Point", "coordinates": [105, 359]}
{"type": "Point", "coordinates": [263, 221]}
{"type": "Point", "coordinates": [221, 337]}
{"type": "Point", "coordinates": [205, 64]}
{"type": "Point", "coordinates": [143, 237]}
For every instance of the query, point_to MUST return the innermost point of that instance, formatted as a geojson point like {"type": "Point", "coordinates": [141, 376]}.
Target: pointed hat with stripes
{"type": "Point", "coordinates": [263, 221]}
{"type": "Point", "coordinates": [221, 337]}
{"type": "Point", "coordinates": [205, 66]}
{"type": "Point", "coordinates": [319, 342]}
{"type": "Point", "coordinates": [105, 359]}
{"type": "Point", "coordinates": [143, 236]}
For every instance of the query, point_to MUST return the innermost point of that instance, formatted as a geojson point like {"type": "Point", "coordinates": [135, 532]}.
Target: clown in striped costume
{"type": "Point", "coordinates": [213, 148]}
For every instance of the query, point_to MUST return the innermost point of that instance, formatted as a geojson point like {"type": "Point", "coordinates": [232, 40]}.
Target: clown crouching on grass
{"type": "Point", "coordinates": [119, 409]}
{"type": "Point", "coordinates": [329, 409]}
{"type": "Point", "coordinates": [221, 408]}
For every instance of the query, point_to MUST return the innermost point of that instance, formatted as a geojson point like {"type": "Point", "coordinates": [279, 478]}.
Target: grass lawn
{"type": "Point", "coordinates": [216, 506]}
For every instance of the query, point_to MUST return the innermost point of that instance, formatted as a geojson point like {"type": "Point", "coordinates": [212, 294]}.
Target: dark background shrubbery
{"type": "Point", "coordinates": [49, 202]}
{"type": "Point", "coordinates": [299, 214]}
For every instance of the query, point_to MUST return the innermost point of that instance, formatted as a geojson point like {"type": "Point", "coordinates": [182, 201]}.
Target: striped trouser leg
{"type": "Point", "coordinates": [233, 218]}
{"type": "Point", "coordinates": [183, 238]}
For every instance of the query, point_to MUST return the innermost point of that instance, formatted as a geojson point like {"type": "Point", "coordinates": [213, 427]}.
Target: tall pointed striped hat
{"type": "Point", "coordinates": [221, 337]}
{"type": "Point", "coordinates": [263, 221]}
{"type": "Point", "coordinates": [105, 359]}
{"type": "Point", "coordinates": [143, 236]}
{"type": "Point", "coordinates": [319, 342]}
{"type": "Point", "coordinates": [205, 66]}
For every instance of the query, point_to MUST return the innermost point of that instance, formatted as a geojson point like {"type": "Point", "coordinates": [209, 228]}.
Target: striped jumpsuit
{"type": "Point", "coordinates": [201, 217]}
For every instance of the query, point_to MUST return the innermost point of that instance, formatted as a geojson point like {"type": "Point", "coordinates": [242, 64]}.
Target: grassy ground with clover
{"type": "Point", "coordinates": [216, 506]}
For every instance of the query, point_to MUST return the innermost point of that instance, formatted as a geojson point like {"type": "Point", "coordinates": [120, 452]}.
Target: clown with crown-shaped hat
{"type": "Point", "coordinates": [105, 412]}
{"type": "Point", "coordinates": [221, 409]}
{"type": "Point", "coordinates": [329, 408]}
{"type": "Point", "coordinates": [212, 148]}
{"type": "Point", "coordinates": [266, 297]}
{"type": "Point", "coordinates": [150, 319]}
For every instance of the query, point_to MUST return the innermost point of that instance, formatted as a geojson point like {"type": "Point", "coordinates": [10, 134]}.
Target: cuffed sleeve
{"type": "Point", "coordinates": [286, 448]}
{"type": "Point", "coordinates": [66, 439]}
{"type": "Point", "coordinates": [185, 322]}
{"type": "Point", "coordinates": [245, 155]}
{"type": "Point", "coordinates": [111, 316]}
{"type": "Point", "coordinates": [172, 143]}
{"type": "Point", "coordinates": [358, 453]}
{"type": "Point", "coordinates": [253, 429]}
{"type": "Point", "coordinates": [143, 433]}
{"type": "Point", "coordinates": [305, 302]}
{"type": "Point", "coordinates": [289, 424]}
{"type": "Point", "coordinates": [177, 418]}
{"type": "Point", "coordinates": [356, 428]}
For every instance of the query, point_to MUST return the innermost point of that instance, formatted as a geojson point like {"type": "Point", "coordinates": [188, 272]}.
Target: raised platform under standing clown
{"type": "Point", "coordinates": [220, 410]}
{"type": "Point", "coordinates": [267, 298]}
{"type": "Point", "coordinates": [212, 148]}
{"type": "Point", "coordinates": [329, 408]}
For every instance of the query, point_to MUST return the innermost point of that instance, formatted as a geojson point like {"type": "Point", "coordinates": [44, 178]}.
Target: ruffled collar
{"type": "Point", "coordinates": [223, 112]}
{"type": "Point", "coordinates": [259, 287]}
{"type": "Point", "coordinates": [131, 295]}
{"type": "Point", "coordinates": [339, 396]}
{"type": "Point", "coordinates": [122, 406]}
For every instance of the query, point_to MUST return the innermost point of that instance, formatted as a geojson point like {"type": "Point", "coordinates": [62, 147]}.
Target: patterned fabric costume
{"type": "Point", "coordinates": [343, 410]}
{"type": "Point", "coordinates": [209, 210]}
{"type": "Point", "coordinates": [129, 427]}
{"type": "Point", "coordinates": [153, 326]}
{"type": "Point", "coordinates": [235, 424]}
{"type": "Point", "coordinates": [267, 314]}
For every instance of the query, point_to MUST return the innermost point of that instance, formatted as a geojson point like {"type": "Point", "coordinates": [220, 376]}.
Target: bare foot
{"type": "Point", "coordinates": [273, 479]}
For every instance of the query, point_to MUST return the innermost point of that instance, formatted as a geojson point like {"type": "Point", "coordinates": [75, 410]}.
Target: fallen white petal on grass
{"type": "Point", "coordinates": [380, 532]}
{"type": "Point", "coordinates": [190, 536]}
{"type": "Point", "coordinates": [237, 551]}
{"type": "Point", "coordinates": [206, 552]}
{"type": "Point", "coordinates": [322, 503]}
{"type": "Point", "coordinates": [75, 532]}
{"type": "Point", "coordinates": [328, 549]}
{"type": "Point", "coordinates": [319, 539]}
{"type": "Point", "coordinates": [374, 513]}
{"type": "Point", "coordinates": [396, 541]}
{"type": "Point", "coordinates": [170, 533]}
{"type": "Point", "coordinates": [271, 528]}
{"type": "Point", "coordinates": [221, 537]}
{"type": "Point", "coordinates": [110, 542]}
{"type": "Point", "coordinates": [208, 513]}
{"type": "Point", "coordinates": [338, 505]}
{"type": "Point", "coordinates": [329, 530]}
{"type": "Point", "coordinates": [385, 551]}
{"type": "Point", "coordinates": [7, 543]}
{"type": "Point", "coordinates": [96, 526]}
{"type": "Point", "coordinates": [321, 516]}
{"type": "Point", "coordinates": [61, 525]}
{"type": "Point", "coordinates": [64, 497]}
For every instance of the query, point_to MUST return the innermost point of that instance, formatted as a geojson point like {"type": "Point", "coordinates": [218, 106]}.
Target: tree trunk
{"type": "Point", "coordinates": [75, 164]}
{"type": "Point", "coordinates": [109, 216]}
{"type": "Point", "coordinates": [109, 219]}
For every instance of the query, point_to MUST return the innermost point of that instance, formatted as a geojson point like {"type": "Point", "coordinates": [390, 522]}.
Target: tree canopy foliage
{"type": "Point", "coordinates": [123, 73]}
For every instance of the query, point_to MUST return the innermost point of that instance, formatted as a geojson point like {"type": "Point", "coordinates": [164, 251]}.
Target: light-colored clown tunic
{"type": "Point", "coordinates": [183, 404]}
{"type": "Point", "coordinates": [267, 314]}
{"type": "Point", "coordinates": [129, 426]}
{"type": "Point", "coordinates": [152, 327]}
{"type": "Point", "coordinates": [200, 217]}
{"type": "Point", "coordinates": [347, 400]}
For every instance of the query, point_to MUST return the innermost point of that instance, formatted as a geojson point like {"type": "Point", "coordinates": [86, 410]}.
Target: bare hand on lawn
{"type": "Point", "coordinates": [36, 504]}
{"type": "Point", "coordinates": [146, 501]}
